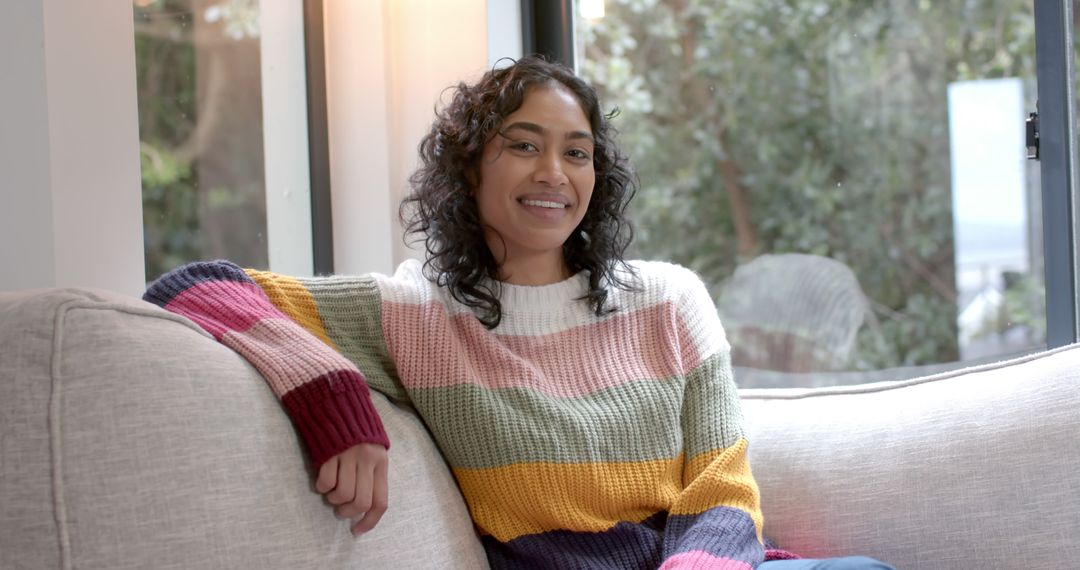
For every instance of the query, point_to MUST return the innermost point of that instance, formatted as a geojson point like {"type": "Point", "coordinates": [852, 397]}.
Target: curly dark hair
{"type": "Point", "coordinates": [442, 210]}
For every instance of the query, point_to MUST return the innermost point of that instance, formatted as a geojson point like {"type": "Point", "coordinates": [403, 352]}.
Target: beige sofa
{"type": "Point", "coordinates": [130, 439]}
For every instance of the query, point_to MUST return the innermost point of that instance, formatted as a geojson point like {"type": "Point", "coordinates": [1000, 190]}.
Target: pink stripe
{"type": "Point", "coordinates": [220, 306]}
{"type": "Point", "coordinates": [287, 355]}
{"type": "Point", "coordinates": [699, 559]}
{"type": "Point", "coordinates": [432, 350]}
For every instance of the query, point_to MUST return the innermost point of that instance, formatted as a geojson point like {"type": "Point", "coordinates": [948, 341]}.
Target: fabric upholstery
{"type": "Point", "coordinates": [29, 536]}
{"type": "Point", "coordinates": [132, 440]}
{"type": "Point", "coordinates": [976, 468]}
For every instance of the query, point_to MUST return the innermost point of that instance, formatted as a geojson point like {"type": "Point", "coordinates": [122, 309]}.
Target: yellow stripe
{"type": "Point", "coordinates": [721, 477]}
{"type": "Point", "coordinates": [293, 299]}
{"type": "Point", "coordinates": [529, 498]}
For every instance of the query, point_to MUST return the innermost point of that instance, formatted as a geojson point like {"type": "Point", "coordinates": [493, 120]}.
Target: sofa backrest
{"type": "Point", "coordinates": [976, 468]}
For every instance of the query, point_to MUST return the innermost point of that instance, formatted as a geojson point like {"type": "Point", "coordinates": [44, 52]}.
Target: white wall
{"type": "Point", "coordinates": [70, 194]}
{"type": "Point", "coordinates": [387, 65]}
{"type": "Point", "coordinates": [285, 137]}
{"type": "Point", "coordinates": [359, 154]}
{"type": "Point", "coordinates": [26, 242]}
{"type": "Point", "coordinates": [503, 30]}
{"type": "Point", "coordinates": [432, 44]}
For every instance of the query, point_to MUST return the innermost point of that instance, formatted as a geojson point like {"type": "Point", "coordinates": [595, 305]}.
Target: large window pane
{"type": "Point", "coordinates": [848, 177]}
{"type": "Point", "coordinates": [201, 133]}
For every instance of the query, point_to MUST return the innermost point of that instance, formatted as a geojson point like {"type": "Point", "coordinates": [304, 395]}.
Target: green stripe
{"type": "Point", "coordinates": [351, 309]}
{"type": "Point", "coordinates": [711, 414]}
{"type": "Point", "coordinates": [478, 427]}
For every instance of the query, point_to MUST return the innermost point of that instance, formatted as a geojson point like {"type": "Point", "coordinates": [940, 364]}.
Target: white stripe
{"type": "Point", "coordinates": [660, 282]}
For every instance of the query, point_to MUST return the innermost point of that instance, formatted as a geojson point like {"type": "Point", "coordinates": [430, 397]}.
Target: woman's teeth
{"type": "Point", "coordinates": [543, 204]}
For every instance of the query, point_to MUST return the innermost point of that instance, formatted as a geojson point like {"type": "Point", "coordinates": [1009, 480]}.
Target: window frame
{"type": "Point", "coordinates": [547, 28]}
{"type": "Point", "coordinates": [322, 226]}
{"type": "Point", "coordinates": [1058, 162]}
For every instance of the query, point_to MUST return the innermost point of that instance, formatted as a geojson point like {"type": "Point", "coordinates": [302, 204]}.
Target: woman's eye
{"type": "Point", "coordinates": [578, 153]}
{"type": "Point", "coordinates": [525, 146]}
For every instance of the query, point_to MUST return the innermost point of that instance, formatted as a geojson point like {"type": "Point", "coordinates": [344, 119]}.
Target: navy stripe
{"type": "Point", "coordinates": [724, 532]}
{"type": "Point", "coordinates": [163, 290]}
{"type": "Point", "coordinates": [626, 545]}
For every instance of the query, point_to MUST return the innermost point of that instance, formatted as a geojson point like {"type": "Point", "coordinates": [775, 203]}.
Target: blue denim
{"type": "Point", "coordinates": [846, 563]}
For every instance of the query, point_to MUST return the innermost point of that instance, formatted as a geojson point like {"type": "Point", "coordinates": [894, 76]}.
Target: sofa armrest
{"type": "Point", "coordinates": [131, 439]}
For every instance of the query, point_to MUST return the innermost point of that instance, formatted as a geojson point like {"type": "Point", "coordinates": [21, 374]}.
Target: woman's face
{"type": "Point", "coordinates": [536, 178]}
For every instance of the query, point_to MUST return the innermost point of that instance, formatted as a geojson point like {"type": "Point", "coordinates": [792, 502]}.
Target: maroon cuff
{"type": "Point", "coordinates": [333, 413]}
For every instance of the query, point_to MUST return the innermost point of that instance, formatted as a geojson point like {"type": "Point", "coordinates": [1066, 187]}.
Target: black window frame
{"type": "Point", "coordinates": [547, 28]}
{"type": "Point", "coordinates": [322, 228]}
{"type": "Point", "coordinates": [1058, 165]}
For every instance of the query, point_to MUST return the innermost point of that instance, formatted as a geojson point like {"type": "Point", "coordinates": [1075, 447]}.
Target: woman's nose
{"type": "Point", "coordinates": [549, 170]}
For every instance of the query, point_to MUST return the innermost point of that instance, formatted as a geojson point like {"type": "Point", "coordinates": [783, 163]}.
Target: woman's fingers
{"type": "Point", "coordinates": [327, 479]}
{"type": "Point", "coordinates": [362, 498]}
{"type": "Point", "coordinates": [355, 481]}
{"type": "Point", "coordinates": [345, 491]}
{"type": "Point", "coordinates": [379, 500]}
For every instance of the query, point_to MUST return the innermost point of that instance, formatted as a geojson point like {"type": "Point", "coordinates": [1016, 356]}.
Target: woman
{"type": "Point", "coordinates": [585, 404]}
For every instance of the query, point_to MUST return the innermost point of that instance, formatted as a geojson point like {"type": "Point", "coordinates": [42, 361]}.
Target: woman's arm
{"type": "Point", "coordinates": [323, 393]}
{"type": "Point", "coordinates": [716, 521]}
{"type": "Point", "coordinates": [343, 312]}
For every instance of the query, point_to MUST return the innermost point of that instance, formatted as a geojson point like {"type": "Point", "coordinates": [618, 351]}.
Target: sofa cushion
{"type": "Point", "coordinates": [977, 468]}
{"type": "Point", "coordinates": [133, 440]}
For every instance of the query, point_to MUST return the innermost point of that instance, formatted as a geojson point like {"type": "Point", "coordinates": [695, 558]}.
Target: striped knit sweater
{"type": "Point", "coordinates": [577, 441]}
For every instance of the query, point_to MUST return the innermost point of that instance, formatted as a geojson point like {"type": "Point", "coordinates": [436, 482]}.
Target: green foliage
{"type": "Point", "coordinates": [827, 119]}
{"type": "Point", "coordinates": [200, 132]}
{"type": "Point", "coordinates": [171, 226]}
{"type": "Point", "coordinates": [165, 67]}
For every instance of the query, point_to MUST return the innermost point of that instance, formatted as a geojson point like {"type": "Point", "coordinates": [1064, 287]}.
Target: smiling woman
{"type": "Point", "coordinates": [554, 145]}
{"type": "Point", "coordinates": [536, 180]}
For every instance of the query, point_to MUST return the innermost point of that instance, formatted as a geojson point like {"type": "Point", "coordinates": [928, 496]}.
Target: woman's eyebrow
{"type": "Point", "coordinates": [537, 129]}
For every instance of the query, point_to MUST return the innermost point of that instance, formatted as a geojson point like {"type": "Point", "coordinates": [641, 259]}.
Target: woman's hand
{"type": "Point", "coordinates": [355, 482]}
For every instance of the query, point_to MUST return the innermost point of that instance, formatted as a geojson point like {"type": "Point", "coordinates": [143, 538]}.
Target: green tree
{"type": "Point", "coordinates": [815, 127]}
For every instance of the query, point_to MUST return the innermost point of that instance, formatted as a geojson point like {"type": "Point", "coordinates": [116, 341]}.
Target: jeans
{"type": "Point", "coordinates": [846, 563]}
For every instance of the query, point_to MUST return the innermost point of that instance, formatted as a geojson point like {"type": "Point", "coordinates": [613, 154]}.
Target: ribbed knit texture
{"type": "Point", "coordinates": [324, 394]}
{"type": "Point", "coordinates": [577, 441]}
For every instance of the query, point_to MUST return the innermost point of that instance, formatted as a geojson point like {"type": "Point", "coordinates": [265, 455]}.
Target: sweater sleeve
{"type": "Point", "coordinates": [324, 394]}
{"type": "Point", "coordinates": [345, 312]}
{"type": "Point", "coordinates": [716, 520]}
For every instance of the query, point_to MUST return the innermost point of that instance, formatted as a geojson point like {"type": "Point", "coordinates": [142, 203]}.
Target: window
{"type": "Point", "coordinates": [848, 178]}
{"type": "Point", "coordinates": [222, 129]}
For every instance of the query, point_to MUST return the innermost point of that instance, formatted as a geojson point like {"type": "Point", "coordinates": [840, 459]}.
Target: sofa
{"type": "Point", "coordinates": [130, 439]}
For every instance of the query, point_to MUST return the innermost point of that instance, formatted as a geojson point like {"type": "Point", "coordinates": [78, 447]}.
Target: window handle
{"type": "Point", "coordinates": [1032, 137]}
